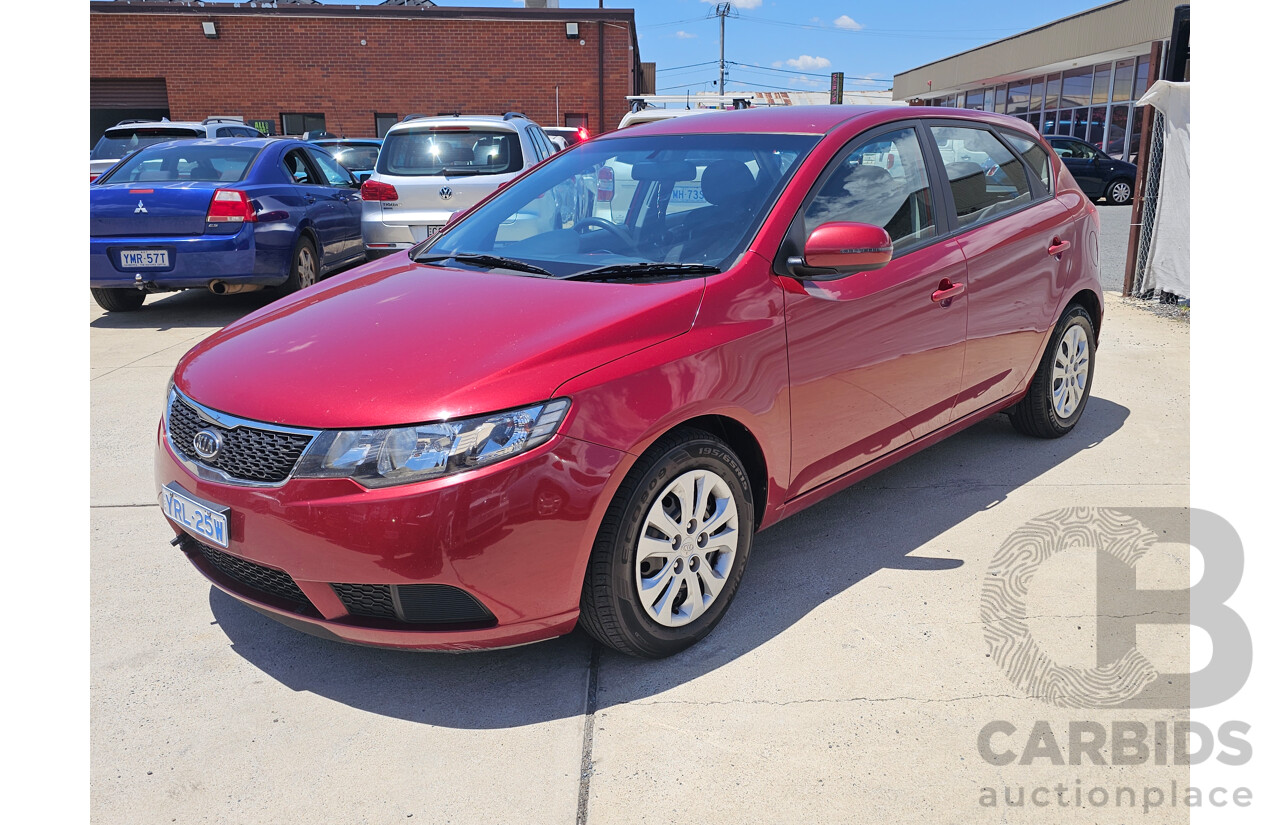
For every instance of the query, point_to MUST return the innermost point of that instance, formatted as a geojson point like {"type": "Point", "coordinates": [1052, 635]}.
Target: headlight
{"type": "Point", "coordinates": [382, 458]}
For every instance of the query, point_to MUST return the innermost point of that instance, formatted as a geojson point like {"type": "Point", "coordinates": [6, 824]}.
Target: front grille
{"type": "Point", "coordinates": [434, 604]}
{"type": "Point", "coordinates": [367, 600]}
{"type": "Point", "coordinates": [264, 579]}
{"type": "Point", "coordinates": [248, 453]}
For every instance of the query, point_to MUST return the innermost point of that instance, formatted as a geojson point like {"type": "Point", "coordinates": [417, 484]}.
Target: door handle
{"type": "Point", "coordinates": [946, 291]}
{"type": "Point", "coordinates": [309, 198]}
{"type": "Point", "coordinates": [1058, 246]}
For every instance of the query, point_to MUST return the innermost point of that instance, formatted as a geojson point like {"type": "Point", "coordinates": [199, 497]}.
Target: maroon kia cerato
{"type": "Point", "coordinates": [580, 402]}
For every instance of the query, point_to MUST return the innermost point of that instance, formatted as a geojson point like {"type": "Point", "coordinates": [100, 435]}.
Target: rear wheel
{"type": "Point", "coordinates": [118, 300]}
{"type": "Point", "coordinates": [305, 268]}
{"type": "Point", "coordinates": [1120, 192]}
{"type": "Point", "coordinates": [671, 550]}
{"type": "Point", "coordinates": [1062, 382]}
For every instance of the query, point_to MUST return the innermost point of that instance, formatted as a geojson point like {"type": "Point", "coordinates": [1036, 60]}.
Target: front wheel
{"type": "Point", "coordinates": [118, 300]}
{"type": "Point", "coordinates": [1120, 192]}
{"type": "Point", "coordinates": [671, 550]}
{"type": "Point", "coordinates": [1062, 382]}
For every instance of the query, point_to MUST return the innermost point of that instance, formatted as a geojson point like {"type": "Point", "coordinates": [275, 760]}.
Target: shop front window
{"type": "Point", "coordinates": [1102, 83]}
{"type": "Point", "coordinates": [1019, 98]}
{"type": "Point", "coordinates": [1052, 91]}
{"type": "Point", "coordinates": [1115, 145]}
{"type": "Point", "coordinates": [1124, 81]}
{"type": "Point", "coordinates": [1077, 87]}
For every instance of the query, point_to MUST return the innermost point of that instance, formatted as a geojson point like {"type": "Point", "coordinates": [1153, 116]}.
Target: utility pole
{"type": "Point", "coordinates": [722, 11]}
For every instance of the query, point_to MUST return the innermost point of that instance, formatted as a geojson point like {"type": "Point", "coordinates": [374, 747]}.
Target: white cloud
{"type": "Point", "coordinates": [740, 4]}
{"type": "Point", "coordinates": [684, 35]}
{"type": "Point", "coordinates": [844, 21]}
{"type": "Point", "coordinates": [806, 63]}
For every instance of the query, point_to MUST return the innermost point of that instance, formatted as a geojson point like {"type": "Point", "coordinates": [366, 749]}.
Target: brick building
{"type": "Point", "coordinates": [355, 69]}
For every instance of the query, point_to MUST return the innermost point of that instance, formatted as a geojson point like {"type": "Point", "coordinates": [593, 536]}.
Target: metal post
{"type": "Point", "coordinates": [721, 47]}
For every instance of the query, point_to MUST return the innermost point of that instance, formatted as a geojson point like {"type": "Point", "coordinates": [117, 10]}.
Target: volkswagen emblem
{"type": "Point", "coordinates": [207, 443]}
{"type": "Point", "coordinates": [445, 193]}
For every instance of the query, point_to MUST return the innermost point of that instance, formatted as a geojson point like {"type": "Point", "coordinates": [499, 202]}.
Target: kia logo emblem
{"type": "Point", "coordinates": [207, 443]}
{"type": "Point", "coordinates": [446, 193]}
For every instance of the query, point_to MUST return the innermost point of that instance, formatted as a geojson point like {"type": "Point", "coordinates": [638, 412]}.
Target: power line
{"type": "Point", "coordinates": [808, 74]}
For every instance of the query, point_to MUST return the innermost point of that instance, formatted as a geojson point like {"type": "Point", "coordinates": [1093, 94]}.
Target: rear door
{"type": "Point", "coordinates": [342, 187]}
{"type": "Point", "coordinates": [875, 361]}
{"type": "Point", "coordinates": [1007, 223]}
{"type": "Point", "coordinates": [327, 214]}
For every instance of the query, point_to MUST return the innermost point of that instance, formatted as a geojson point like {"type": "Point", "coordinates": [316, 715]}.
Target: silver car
{"type": "Point", "coordinates": [430, 167]}
{"type": "Point", "coordinates": [128, 136]}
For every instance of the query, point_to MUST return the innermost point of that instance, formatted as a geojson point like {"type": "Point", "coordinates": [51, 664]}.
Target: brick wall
{"type": "Point", "coordinates": [264, 64]}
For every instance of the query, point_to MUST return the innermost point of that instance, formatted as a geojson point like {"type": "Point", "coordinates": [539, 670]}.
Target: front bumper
{"type": "Point", "coordinates": [513, 538]}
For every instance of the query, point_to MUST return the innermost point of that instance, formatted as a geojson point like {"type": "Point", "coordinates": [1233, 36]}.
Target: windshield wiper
{"type": "Point", "coordinates": [622, 271]}
{"type": "Point", "coordinates": [487, 261]}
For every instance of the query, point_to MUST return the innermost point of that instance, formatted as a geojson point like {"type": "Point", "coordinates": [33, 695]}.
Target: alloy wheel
{"type": "Point", "coordinates": [1070, 371]}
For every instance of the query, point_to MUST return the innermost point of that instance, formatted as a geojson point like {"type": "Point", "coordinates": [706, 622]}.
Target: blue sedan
{"type": "Point", "coordinates": [227, 214]}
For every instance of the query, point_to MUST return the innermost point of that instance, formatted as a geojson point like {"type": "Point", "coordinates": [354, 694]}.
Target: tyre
{"type": "Point", "coordinates": [118, 300]}
{"type": "Point", "coordinates": [1061, 384]}
{"type": "Point", "coordinates": [1120, 192]}
{"type": "Point", "coordinates": [671, 549]}
{"type": "Point", "coordinates": [304, 269]}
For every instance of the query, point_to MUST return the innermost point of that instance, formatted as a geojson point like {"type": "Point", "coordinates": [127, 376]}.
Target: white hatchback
{"type": "Point", "coordinates": [430, 167]}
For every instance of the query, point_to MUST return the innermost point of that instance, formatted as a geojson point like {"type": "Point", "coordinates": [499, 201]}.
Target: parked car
{"type": "Point", "coordinates": [498, 435]}
{"type": "Point", "coordinates": [431, 167]}
{"type": "Point", "coordinates": [572, 135]}
{"type": "Point", "coordinates": [358, 155]}
{"type": "Point", "coordinates": [1099, 174]}
{"type": "Point", "coordinates": [227, 214]}
{"type": "Point", "coordinates": [131, 135]}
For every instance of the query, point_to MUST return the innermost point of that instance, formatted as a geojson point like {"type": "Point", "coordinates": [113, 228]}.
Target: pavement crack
{"type": "Point", "coordinates": [843, 700]}
{"type": "Point", "coordinates": [588, 735]}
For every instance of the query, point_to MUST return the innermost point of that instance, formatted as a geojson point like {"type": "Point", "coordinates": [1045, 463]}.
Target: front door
{"type": "Point", "coordinates": [875, 361]}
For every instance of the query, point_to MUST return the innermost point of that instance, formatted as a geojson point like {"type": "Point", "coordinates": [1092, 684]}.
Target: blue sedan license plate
{"type": "Point", "coordinates": [200, 518]}
{"type": "Point", "coordinates": [144, 258]}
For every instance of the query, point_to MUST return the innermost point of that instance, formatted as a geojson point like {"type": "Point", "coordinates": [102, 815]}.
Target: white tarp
{"type": "Point", "coordinates": [1169, 261]}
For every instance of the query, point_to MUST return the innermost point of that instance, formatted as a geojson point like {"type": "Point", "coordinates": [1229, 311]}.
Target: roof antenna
{"type": "Point", "coordinates": [686, 99]}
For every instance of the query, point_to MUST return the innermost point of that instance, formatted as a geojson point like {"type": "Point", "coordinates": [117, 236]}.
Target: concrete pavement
{"type": "Point", "coordinates": [849, 681]}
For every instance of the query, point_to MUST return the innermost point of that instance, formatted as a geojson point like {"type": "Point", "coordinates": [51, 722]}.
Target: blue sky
{"type": "Point", "coordinates": [785, 45]}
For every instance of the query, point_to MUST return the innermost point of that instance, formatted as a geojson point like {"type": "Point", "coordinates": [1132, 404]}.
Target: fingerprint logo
{"type": "Point", "coordinates": [1004, 608]}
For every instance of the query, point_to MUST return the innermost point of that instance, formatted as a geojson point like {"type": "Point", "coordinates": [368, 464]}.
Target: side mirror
{"type": "Point", "coordinates": [840, 248]}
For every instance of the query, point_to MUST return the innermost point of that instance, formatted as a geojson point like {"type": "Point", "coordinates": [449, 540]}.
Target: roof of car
{"type": "Point", "coordinates": [459, 120]}
{"type": "Point", "coordinates": [803, 120]}
{"type": "Point", "coordinates": [329, 141]}
{"type": "Point", "coordinates": [166, 124]}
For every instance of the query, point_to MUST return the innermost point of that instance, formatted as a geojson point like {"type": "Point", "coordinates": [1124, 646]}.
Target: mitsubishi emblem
{"type": "Point", "coordinates": [140, 208]}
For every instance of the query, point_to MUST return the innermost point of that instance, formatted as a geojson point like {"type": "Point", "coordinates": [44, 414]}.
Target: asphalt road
{"type": "Point", "coordinates": [849, 681]}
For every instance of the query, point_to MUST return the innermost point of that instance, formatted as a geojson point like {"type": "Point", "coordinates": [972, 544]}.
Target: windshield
{"type": "Point", "coordinates": [117, 143]}
{"type": "Point", "coordinates": [356, 157]}
{"type": "Point", "coordinates": [677, 200]}
{"type": "Point", "coordinates": [450, 150]}
{"type": "Point", "coordinates": [184, 161]}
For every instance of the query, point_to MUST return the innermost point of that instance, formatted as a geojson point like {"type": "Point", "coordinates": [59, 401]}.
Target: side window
{"type": "Point", "coordinates": [333, 173]}
{"type": "Point", "coordinates": [1035, 156]}
{"type": "Point", "coordinates": [227, 131]}
{"type": "Point", "coordinates": [539, 151]}
{"type": "Point", "coordinates": [881, 181]}
{"type": "Point", "coordinates": [299, 171]}
{"type": "Point", "coordinates": [986, 178]}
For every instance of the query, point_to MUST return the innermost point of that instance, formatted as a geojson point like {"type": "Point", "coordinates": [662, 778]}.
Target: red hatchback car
{"type": "Point", "coordinates": [545, 417]}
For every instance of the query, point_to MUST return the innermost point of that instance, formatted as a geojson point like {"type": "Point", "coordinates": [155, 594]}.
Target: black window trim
{"type": "Point", "coordinates": [310, 164]}
{"type": "Point", "coordinates": [1038, 193]}
{"type": "Point", "coordinates": [793, 242]}
{"type": "Point", "coordinates": [1005, 132]}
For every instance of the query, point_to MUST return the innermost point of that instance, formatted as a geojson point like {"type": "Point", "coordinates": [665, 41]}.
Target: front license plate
{"type": "Point", "coordinates": [144, 258]}
{"type": "Point", "coordinates": [200, 518]}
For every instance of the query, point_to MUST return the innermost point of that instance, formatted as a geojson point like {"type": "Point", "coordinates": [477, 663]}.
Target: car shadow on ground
{"type": "Point", "coordinates": [795, 567]}
{"type": "Point", "coordinates": [194, 308]}
{"type": "Point", "coordinates": [189, 309]}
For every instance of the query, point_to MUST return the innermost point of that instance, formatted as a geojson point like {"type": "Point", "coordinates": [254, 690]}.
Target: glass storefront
{"type": "Point", "coordinates": [1093, 103]}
